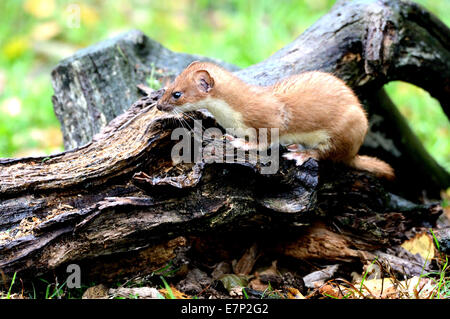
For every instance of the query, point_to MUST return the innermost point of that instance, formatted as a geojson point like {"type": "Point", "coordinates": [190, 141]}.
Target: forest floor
{"type": "Point", "coordinates": [256, 274]}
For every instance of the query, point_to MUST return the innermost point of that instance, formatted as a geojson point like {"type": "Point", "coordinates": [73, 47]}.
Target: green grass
{"type": "Point", "coordinates": [8, 296]}
{"type": "Point", "coordinates": [240, 32]}
{"type": "Point", "coordinates": [443, 285]}
{"type": "Point", "coordinates": [168, 289]}
{"type": "Point", "coordinates": [58, 290]}
{"type": "Point", "coordinates": [365, 275]}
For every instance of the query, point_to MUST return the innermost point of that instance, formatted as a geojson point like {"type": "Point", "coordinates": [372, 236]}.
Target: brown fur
{"type": "Point", "coordinates": [373, 165]}
{"type": "Point", "coordinates": [308, 103]}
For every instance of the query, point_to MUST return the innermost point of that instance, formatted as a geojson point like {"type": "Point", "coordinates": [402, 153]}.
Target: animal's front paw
{"type": "Point", "coordinates": [298, 157]}
{"type": "Point", "coordinates": [295, 148]}
{"type": "Point", "coordinates": [229, 137]}
{"type": "Point", "coordinates": [241, 144]}
{"type": "Point", "coordinates": [238, 142]}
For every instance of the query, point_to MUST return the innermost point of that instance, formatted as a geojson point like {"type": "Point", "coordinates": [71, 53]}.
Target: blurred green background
{"type": "Point", "coordinates": [36, 34]}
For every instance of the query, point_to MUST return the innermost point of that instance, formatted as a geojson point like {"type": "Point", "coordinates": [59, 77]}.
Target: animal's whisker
{"type": "Point", "coordinates": [181, 120]}
{"type": "Point", "coordinates": [194, 119]}
{"type": "Point", "coordinates": [184, 123]}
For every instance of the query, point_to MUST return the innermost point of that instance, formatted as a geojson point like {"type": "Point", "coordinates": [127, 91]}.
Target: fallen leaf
{"type": "Point", "coordinates": [256, 284]}
{"type": "Point", "coordinates": [271, 271]}
{"type": "Point", "coordinates": [330, 291]}
{"type": "Point", "coordinates": [140, 292]}
{"type": "Point", "coordinates": [236, 291]}
{"type": "Point", "coordinates": [388, 288]}
{"type": "Point", "coordinates": [221, 269]}
{"type": "Point", "coordinates": [294, 293]}
{"type": "Point", "coordinates": [231, 281]}
{"type": "Point", "coordinates": [245, 265]}
{"type": "Point", "coordinates": [378, 287]}
{"type": "Point", "coordinates": [96, 292]}
{"type": "Point", "coordinates": [421, 244]}
{"type": "Point", "coordinates": [317, 278]}
{"type": "Point", "coordinates": [271, 275]}
{"type": "Point", "coordinates": [176, 293]}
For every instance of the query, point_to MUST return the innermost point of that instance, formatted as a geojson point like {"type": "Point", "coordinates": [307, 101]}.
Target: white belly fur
{"type": "Point", "coordinates": [317, 139]}
{"type": "Point", "coordinates": [227, 117]}
{"type": "Point", "coordinates": [224, 114]}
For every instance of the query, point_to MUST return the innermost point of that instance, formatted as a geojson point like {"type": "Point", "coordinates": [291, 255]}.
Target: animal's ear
{"type": "Point", "coordinates": [204, 80]}
{"type": "Point", "coordinates": [192, 63]}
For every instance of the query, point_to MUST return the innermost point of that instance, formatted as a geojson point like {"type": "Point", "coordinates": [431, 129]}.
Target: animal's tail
{"type": "Point", "coordinates": [374, 166]}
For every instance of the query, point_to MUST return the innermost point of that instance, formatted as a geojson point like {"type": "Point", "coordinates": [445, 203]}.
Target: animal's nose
{"type": "Point", "coordinates": [159, 107]}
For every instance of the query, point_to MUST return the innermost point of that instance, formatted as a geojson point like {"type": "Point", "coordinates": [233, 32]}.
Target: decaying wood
{"type": "Point", "coordinates": [120, 196]}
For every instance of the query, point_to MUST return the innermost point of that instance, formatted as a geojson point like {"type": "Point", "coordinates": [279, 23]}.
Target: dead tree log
{"type": "Point", "coordinates": [120, 196]}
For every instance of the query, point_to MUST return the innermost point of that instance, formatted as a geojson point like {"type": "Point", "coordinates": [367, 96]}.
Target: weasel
{"type": "Point", "coordinates": [316, 113]}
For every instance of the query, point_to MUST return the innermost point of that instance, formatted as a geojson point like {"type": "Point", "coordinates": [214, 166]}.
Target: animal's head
{"type": "Point", "coordinates": [192, 86]}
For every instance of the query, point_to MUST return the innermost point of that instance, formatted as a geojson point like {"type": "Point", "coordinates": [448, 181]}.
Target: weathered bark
{"type": "Point", "coordinates": [121, 192]}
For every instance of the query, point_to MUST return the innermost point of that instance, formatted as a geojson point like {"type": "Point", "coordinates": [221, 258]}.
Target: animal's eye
{"type": "Point", "coordinates": [176, 95]}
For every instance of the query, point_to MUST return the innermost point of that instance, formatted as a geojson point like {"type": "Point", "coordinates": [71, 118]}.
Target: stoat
{"type": "Point", "coordinates": [314, 109]}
